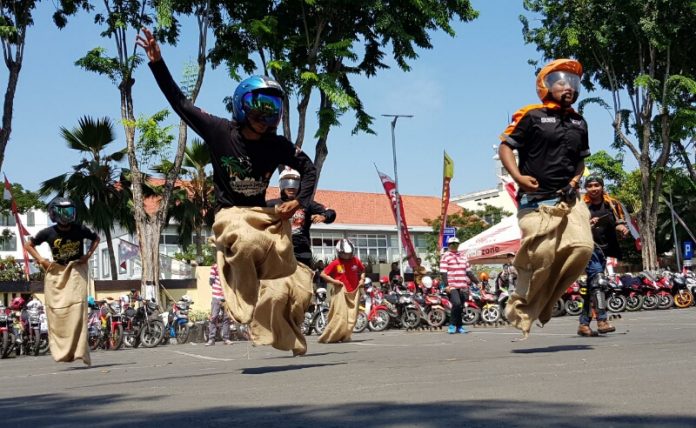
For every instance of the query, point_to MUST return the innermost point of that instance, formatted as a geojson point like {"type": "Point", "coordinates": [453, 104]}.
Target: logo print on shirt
{"type": "Point", "coordinates": [576, 122]}
{"type": "Point", "coordinates": [239, 170]}
{"type": "Point", "coordinates": [297, 221]}
{"type": "Point", "coordinates": [548, 120]}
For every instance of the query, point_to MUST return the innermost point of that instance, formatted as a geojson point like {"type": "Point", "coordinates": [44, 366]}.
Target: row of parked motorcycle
{"type": "Point", "coordinates": [397, 305]}
{"type": "Point", "coordinates": [112, 324]}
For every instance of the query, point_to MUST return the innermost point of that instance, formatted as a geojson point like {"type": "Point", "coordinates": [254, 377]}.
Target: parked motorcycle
{"type": "Point", "coordinates": [178, 324]}
{"type": "Point", "coordinates": [110, 332]}
{"type": "Point", "coordinates": [317, 315]}
{"type": "Point", "coordinates": [142, 325]}
{"type": "Point", "coordinates": [683, 298]}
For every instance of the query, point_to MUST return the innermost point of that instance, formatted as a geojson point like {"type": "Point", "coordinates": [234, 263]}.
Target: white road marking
{"type": "Point", "coordinates": [202, 357]}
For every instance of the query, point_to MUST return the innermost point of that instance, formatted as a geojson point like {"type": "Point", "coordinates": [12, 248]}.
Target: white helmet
{"type": "Point", "coordinates": [453, 240]}
{"type": "Point", "coordinates": [186, 298]}
{"type": "Point", "coordinates": [344, 246]}
{"type": "Point", "coordinates": [368, 282]}
{"type": "Point", "coordinates": [427, 282]}
{"type": "Point", "coordinates": [289, 179]}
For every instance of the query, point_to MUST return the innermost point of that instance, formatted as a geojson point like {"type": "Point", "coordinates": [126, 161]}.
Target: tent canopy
{"type": "Point", "coordinates": [493, 244]}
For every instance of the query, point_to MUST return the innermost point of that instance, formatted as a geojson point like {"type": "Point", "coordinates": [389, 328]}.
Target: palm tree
{"type": "Point", "coordinates": [192, 202]}
{"type": "Point", "coordinates": [95, 184]}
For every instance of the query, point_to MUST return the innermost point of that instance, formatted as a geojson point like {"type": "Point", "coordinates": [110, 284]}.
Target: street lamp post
{"type": "Point", "coordinates": [397, 196]}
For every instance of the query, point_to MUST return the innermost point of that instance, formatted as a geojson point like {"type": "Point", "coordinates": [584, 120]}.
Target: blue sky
{"type": "Point", "coordinates": [461, 94]}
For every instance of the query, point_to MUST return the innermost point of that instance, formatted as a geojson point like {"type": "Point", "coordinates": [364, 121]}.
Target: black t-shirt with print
{"type": "Point", "coordinates": [301, 221]}
{"type": "Point", "coordinates": [66, 245]}
{"type": "Point", "coordinates": [551, 143]}
{"type": "Point", "coordinates": [242, 168]}
{"type": "Point", "coordinates": [604, 230]}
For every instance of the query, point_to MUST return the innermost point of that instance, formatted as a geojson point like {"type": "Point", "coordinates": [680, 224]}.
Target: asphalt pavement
{"type": "Point", "coordinates": [642, 375]}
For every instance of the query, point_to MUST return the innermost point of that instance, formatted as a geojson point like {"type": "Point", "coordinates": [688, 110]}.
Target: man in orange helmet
{"type": "Point", "coordinates": [552, 143]}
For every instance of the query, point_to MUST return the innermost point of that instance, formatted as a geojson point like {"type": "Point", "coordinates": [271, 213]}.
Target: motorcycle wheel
{"type": "Point", "coordinates": [558, 309]}
{"type": "Point", "coordinates": [634, 303]}
{"type": "Point", "coordinates": [410, 318]}
{"type": "Point", "coordinates": [36, 341]}
{"type": "Point", "coordinates": [616, 303]}
{"type": "Point", "coordinates": [360, 323]}
{"type": "Point", "coordinates": [573, 307]}
{"type": "Point", "coordinates": [43, 346]}
{"type": "Point", "coordinates": [116, 338]}
{"type": "Point", "coordinates": [683, 299]}
{"type": "Point", "coordinates": [665, 301]}
{"type": "Point", "coordinates": [650, 302]}
{"type": "Point", "coordinates": [93, 342]}
{"type": "Point", "coordinates": [7, 339]}
{"type": "Point", "coordinates": [491, 314]}
{"type": "Point", "coordinates": [320, 321]}
{"type": "Point", "coordinates": [151, 334]}
{"type": "Point", "coordinates": [182, 333]}
{"type": "Point", "coordinates": [436, 317]}
{"type": "Point", "coordinates": [380, 321]}
{"type": "Point", "coordinates": [471, 316]}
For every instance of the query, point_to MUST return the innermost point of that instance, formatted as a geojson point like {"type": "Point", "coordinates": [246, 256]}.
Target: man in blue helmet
{"type": "Point", "coordinates": [253, 241]}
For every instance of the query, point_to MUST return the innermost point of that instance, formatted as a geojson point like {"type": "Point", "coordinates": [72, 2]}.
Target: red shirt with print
{"type": "Point", "coordinates": [346, 271]}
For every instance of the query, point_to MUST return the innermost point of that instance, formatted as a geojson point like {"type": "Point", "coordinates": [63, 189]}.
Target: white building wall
{"type": "Point", "coordinates": [33, 221]}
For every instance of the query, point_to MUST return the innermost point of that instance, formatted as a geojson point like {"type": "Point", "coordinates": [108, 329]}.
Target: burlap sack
{"type": "Point", "coordinates": [252, 244]}
{"type": "Point", "coordinates": [65, 288]}
{"type": "Point", "coordinates": [555, 248]}
{"type": "Point", "coordinates": [280, 311]}
{"type": "Point", "coordinates": [343, 312]}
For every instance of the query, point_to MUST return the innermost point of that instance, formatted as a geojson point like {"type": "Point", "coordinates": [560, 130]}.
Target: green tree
{"type": "Point", "coordinates": [317, 46]}
{"type": "Point", "coordinates": [642, 52]}
{"type": "Point", "coordinates": [94, 184]}
{"type": "Point", "coordinates": [16, 16]}
{"type": "Point", "coordinates": [24, 199]}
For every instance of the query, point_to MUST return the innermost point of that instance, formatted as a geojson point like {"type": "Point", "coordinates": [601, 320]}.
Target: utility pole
{"type": "Point", "coordinates": [397, 195]}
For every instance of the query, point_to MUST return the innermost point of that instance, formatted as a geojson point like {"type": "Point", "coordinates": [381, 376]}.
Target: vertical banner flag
{"type": "Point", "coordinates": [447, 174]}
{"type": "Point", "coordinates": [511, 188]}
{"type": "Point", "coordinates": [632, 226]}
{"type": "Point", "coordinates": [22, 231]}
{"type": "Point", "coordinates": [126, 251]}
{"type": "Point", "coordinates": [390, 189]}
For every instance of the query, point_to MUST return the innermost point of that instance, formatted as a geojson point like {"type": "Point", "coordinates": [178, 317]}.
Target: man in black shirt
{"type": "Point", "coordinates": [302, 220]}
{"type": "Point", "coordinates": [253, 241]}
{"type": "Point", "coordinates": [606, 219]}
{"type": "Point", "coordinates": [551, 140]}
{"type": "Point", "coordinates": [65, 285]}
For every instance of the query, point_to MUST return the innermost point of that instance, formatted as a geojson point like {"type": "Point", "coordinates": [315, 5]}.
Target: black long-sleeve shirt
{"type": "Point", "coordinates": [242, 168]}
{"type": "Point", "coordinates": [301, 222]}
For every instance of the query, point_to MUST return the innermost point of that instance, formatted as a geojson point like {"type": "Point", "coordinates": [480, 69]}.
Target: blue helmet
{"type": "Point", "coordinates": [256, 85]}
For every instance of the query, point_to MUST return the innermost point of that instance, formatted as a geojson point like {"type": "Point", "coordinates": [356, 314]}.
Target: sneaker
{"type": "Point", "coordinates": [211, 342]}
{"type": "Point", "coordinates": [462, 330]}
{"type": "Point", "coordinates": [452, 329]}
{"type": "Point", "coordinates": [228, 342]}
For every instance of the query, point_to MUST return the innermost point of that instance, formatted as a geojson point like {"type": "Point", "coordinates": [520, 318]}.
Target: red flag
{"type": "Point", "coordinates": [23, 232]}
{"type": "Point", "coordinates": [632, 226]}
{"type": "Point", "coordinates": [510, 188]}
{"type": "Point", "coordinates": [447, 174]}
{"type": "Point", "coordinates": [390, 189]}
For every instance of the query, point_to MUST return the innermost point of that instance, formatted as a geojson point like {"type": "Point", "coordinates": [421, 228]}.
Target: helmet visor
{"type": "Point", "coordinates": [264, 108]}
{"type": "Point", "coordinates": [64, 215]}
{"type": "Point", "coordinates": [563, 79]}
{"type": "Point", "coordinates": [289, 183]}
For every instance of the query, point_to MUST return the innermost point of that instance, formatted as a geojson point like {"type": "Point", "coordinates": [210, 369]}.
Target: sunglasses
{"type": "Point", "coordinates": [264, 108]}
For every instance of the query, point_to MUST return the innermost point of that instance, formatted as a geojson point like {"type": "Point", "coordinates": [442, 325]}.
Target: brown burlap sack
{"type": "Point", "coordinates": [252, 244]}
{"type": "Point", "coordinates": [65, 288]}
{"type": "Point", "coordinates": [555, 249]}
{"type": "Point", "coordinates": [343, 312]}
{"type": "Point", "coordinates": [280, 311]}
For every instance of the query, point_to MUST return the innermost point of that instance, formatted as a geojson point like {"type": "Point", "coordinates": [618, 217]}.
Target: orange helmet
{"type": "Point", "coordinates": [568, 65]}
{"type": "Point", "coordinates": [483, 276]}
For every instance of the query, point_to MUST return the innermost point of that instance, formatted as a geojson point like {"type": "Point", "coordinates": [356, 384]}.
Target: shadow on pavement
{"type": "Point", "coordinates": [557, 348]}
{"type": "Point", "coordinates": [275, 369]}
{"type": "Point", "coordinates": [63, 411]}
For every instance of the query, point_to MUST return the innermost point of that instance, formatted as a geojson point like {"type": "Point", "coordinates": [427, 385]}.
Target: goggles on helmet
{"type": "Point", "coordinates": [563, 78]}
{"type": "Point", "coordinates": [264, 108]}
{"type": "Point", "coordinates": [64, 215]}
{"type": "Point", "coordinates": [289, 183]}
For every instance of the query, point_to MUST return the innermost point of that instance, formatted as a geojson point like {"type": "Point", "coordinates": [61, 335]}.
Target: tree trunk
{"type": "Point", "coordinates": [321, 149]}
{"type": "Point", "coordinates": [8, 105]}
{"type": "Point", "coordinates": [112, 255]}
{"type": "Point", "coordinates": [199, 243]}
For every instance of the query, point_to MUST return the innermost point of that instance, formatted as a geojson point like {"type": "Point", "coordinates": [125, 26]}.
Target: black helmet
{"type": "Point", "coordinates": [62, 211]}
{"type": "Point", "coordinates": [594, 178]}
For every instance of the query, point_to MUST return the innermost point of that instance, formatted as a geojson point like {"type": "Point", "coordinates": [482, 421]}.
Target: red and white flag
{"type": "Point", "coordinates": [390, 189]}
{"type": "Point", "coordinates": [511, 188]}
{"type": "Point", "coordinates": [21, 230]}
{"type": "Point", "coordinates": [632, 226]}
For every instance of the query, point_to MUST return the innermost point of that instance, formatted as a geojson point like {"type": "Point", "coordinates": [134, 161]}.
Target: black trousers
{"type": "Point", "coordinates": [457, 297]}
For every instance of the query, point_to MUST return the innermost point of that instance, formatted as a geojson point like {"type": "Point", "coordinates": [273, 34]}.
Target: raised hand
{"type": "Point", "coordinates": [149, 44]}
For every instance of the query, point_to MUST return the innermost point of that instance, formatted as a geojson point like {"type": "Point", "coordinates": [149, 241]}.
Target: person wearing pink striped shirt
{"type": "Point", "coordinates": [456, 275]}
{"type": "Point", "coordinates": [217, 304]}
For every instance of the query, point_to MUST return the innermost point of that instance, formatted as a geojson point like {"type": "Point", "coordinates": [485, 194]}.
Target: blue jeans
{"type": "Point", "coordinates": [597, 265]}
{"type": "Point", "coordinates": [527, 202]}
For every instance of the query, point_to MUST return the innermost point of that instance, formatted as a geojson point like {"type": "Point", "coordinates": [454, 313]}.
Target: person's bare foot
{"type": "Point", "coordinates": [525, 336]}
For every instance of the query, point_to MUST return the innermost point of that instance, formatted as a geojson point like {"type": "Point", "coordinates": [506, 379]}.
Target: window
{"type": "Point", "coordinates": [7, 219]}
{"type": "Point", "coordinates": [8, 242]}
{"type": "Point", "coordinates": [371, 247]}
{"type": "Point", "coordinates": [31, 220]}
{"type": "Point", "coordinates": [169, 242]}
{"type": "Point", "coordinates": [324, 245]}
{"type": "Point", "coordinates": [106, 271]}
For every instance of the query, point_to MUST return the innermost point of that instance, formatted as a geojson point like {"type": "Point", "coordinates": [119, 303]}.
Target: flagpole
{"type": "Point", "coordinates": [674, 234]}
{"type": "Point", "coordinates": [396, 188]}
